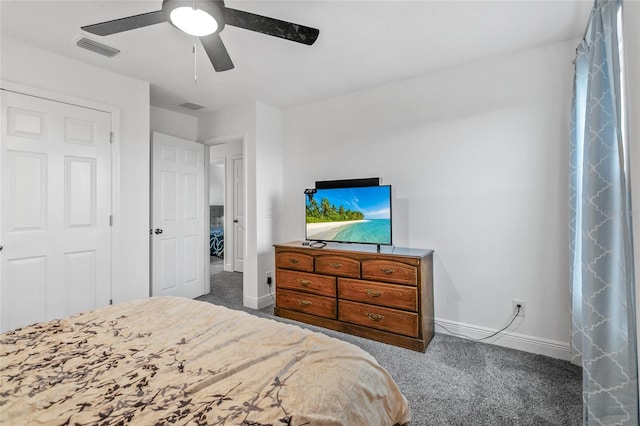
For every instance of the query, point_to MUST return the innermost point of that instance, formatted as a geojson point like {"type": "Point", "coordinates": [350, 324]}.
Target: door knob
{"type": "Point", "coordinates": [235, 220]}
{"type": "Point", "coordinates": [158, 231]}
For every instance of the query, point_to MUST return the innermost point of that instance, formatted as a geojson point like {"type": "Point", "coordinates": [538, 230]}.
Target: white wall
{"type": "Point", "coordinates": [478, 160]}
{"type": "Point", "coordinates": [241, 121]}
{"type": "Point", "coordinates": [40, 69]}
{"type": "Point", "coordinates": [217, 168]}
{"type": "Point", "coordinates": [261, 126]}
{"type": "Point", "coordinates": [269, 131]}
{"type": "Point", "coordinates": [174, 123]}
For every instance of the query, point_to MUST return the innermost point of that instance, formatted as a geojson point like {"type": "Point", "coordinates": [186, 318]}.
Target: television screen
{"type": "Point", "coordinates": [349, 215]}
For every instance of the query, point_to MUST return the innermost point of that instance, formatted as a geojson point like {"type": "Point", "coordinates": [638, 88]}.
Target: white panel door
{"type": "Point", "coordinates": [177, 240]}
{"type": "Point", "coordinates": [55, 210]}
{"type": "Point", "coordinates": [238, 214]}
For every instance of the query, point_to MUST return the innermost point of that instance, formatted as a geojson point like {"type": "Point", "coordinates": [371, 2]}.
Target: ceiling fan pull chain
{"type": "Point", "coordinates": [195, 62]}
{"type": "Point", "coordinates": [195, 55]}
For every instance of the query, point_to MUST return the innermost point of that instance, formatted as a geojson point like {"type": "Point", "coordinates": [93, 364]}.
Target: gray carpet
{"type": "Point", "coordinates": [216, 264]}
{"type": "Point", "coordinates": [457, 381]}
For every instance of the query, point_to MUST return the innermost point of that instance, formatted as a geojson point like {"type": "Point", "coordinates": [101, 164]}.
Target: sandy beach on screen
{"type": "Point", "coordinates": [327, 230]}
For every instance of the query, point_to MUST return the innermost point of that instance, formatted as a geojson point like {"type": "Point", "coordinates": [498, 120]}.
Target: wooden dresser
{"type": "Point", "coordinates": [385, 296]}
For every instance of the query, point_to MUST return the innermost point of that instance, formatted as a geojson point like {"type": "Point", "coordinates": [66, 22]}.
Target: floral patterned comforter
{"type": "Point", "coordinates": [165, 361]}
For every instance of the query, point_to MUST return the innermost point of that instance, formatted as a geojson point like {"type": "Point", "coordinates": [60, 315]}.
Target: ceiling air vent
{"type": "Point", "coordinates": [96, 47]}
{"type": "Point", "coordinates": [191, 106]}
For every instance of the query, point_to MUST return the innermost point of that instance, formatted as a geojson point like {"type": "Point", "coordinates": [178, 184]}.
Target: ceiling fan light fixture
{"type": "Point", "coordinates": [205, 19]}
{"type": "Point", "coordinates": [195, 22]}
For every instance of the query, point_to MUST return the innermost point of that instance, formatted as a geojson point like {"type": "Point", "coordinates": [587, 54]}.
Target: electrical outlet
{"type": "Point", "coordinates": [267, 278]}
{"type": "Point", "coordinates": [522, 311]}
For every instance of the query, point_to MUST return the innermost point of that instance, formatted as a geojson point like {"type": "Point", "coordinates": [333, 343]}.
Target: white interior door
{"type": "Point", "coordinates": [55, 210]}
{"type": "Point", "coordinates": [238, 214]}
{"type": "Point", "coordinates": [177, 248]}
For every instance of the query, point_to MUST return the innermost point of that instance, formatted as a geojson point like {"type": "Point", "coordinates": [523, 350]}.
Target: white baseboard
{"type": "Point", "coordinates": [259, 303]}
{"type": "Point", "coordinates": [265, 301]}
{"type": "Point", "coordinates": [522, 342]}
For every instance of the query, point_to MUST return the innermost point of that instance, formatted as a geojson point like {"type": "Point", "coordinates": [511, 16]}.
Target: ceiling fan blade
{"type": "Point", "coordinates": [126, 24]}
{"type": "Point", "coordinates": [270, 26]}
{"type": "Point", "coordinates": [217, 53]}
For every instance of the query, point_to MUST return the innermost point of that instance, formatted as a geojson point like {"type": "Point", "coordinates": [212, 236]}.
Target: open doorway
{"type": "Point", "coordinates": [226, 222]}
{"type": "Point", "coordinates": [216, 214]}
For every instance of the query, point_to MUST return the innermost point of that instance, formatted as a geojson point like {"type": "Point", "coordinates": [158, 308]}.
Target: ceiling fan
{"type": "Point", "coordinates": [205, 19]}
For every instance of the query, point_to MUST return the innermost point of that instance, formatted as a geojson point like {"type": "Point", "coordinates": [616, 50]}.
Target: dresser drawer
{"type": "Point", "coordinates": [390, 271]}
{"type": "Point", "coordinates": [292, 260]}
{"type": "Point", "coordinates": [390, 295]}
{"type": "Point", "coordinates": [338, 265]}
{"type": "Point", "coordinates": [308, 303]}
{"type": "Point", "coordinates": [303, 281]}
{"type": "Point", "coordinates": [386, 319]}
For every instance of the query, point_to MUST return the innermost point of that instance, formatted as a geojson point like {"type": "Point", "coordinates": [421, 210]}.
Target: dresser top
{"type": "Point", "coordinates": [361, 248]}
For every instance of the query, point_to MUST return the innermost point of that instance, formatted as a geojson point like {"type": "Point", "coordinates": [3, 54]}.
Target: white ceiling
{"type": "Point", "coordinates": [362, 44]}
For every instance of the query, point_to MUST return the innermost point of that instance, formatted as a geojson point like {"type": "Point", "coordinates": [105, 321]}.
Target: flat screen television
{"type": "Point", "coordinates": [359, 215]}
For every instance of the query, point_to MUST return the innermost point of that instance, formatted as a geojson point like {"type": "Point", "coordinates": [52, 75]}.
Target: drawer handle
{"type": "Point", "coordinates": [373, 293]}
{"type": "Point", "coordinates": [336, 265]}
{"type": "Point", "coordinates": [305, 283]}
{"type": "Point", "coordinates": [304, 303]}
{"type": "Point", "coordinates": [293, 260]}
{"type": "Point", "coordinates": [375, 317]}
{"type": "Point", "coordinates": [387, 271]}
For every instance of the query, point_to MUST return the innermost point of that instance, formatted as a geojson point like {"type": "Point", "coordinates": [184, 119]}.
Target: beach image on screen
{"type": "Point", "coordinates": [357, 215]}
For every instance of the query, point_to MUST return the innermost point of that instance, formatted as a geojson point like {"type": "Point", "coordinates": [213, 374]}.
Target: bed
{"type": "Point", "coordinates": [216, 231]}
{"type": "Point", "coordinates": [216, 242]}
{"type": "Point", "coordinates": [169, 360]}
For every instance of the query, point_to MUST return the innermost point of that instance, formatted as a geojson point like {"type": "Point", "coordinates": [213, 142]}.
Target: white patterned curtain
{"type": "Point", "coordinates": [602, 269]}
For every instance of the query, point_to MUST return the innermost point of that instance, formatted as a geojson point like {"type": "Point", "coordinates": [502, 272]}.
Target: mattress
{"type": "Point", "coordinates": [170, 360]}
